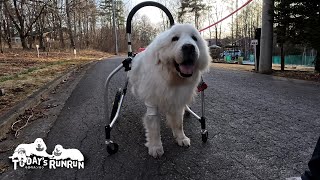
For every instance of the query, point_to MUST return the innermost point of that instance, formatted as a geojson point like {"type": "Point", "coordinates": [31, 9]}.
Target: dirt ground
{"type": "Point", "coordinates": [295, 72]}
{"type": "Point", "coordinates": [23, 72]}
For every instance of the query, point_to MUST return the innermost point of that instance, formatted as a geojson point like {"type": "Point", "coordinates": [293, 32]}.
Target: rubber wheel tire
{"type": "Point", "coordinates": [112, 148]}
{"type": "Point", "coordinates": [205, 137]}
{"type": "Point", "coordinates": [115, 104]}
{"type": "Point", "coordinates": [187, 114]}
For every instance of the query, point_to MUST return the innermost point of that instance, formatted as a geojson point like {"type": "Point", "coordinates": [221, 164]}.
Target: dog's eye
{"type": "Point", "coordinates": [194, 38]}
{"type": "Point", "coordinates": [176, 38]}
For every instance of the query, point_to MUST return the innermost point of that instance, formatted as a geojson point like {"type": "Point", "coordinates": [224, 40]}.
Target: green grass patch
{"type": "Point", "coordinates": [30, 70]}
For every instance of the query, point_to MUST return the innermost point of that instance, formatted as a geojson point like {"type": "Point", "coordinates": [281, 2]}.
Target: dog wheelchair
{"type": "Point", "coordinates": [113, 147]}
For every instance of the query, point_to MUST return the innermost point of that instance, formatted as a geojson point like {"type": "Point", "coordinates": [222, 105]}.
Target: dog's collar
{"type": "Point", "coordinates": [57, 153]}
{"type": "Point", "coordinates": [39, 149]}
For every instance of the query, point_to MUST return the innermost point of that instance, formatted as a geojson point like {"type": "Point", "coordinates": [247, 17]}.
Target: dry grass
{"type": "Point", "coordinates": [22, 72]}
{"type": "Point", "coordinates": [233, 66]}
{"type": "Point", "coordinates": [296, 72]}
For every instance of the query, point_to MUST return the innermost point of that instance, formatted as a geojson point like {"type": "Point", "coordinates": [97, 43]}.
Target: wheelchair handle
{"type": "Point", "coordinates": [134, 10]}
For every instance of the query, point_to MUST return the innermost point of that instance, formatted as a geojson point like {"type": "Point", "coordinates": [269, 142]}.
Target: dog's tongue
{"type": "Point", "coordinates": [186, 69]}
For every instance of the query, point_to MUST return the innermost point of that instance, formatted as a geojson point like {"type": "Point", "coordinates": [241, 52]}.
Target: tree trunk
{"type": "Point", "coordinates": [282, 57]}
{"type": "Point", "coordinates": [216, 28]}
{"type": "Point", "coordinates": [69, 25]}
{"type": "Point", "coordinates": [1, 18]}
{"type": "Point", "coordinates": [41, 44]}
{"type": "Point", "coordinates": [1, 47]}
{"type": "Point", "coordinates": [30, 41]}
{"type": "Point", "coordinates": [6, 29]}
{"type": "Point", "coordinates": [317, 61]}
{"type": "Point", "coordinates": [23, 41]}
{"type": "Point", "coordinates": [62, 44]}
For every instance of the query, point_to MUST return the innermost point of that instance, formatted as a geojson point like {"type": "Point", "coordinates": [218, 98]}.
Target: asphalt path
{"type": "Point", "coordinates": [260, 127]}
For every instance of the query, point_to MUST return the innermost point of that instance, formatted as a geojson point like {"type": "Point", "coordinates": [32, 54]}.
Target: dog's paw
{"type": "Point", "coordinates": [156, 151]}
{"type": "Point", "coordinates": [185, 141]}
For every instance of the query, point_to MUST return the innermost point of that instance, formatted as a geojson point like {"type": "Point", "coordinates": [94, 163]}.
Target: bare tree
{"type": "Point", "coordinates": [215, 11]}
{"type": "Point", "coordinates": [19, 17]}
{"type": "Point", "coordinates": [193, 8]}
{"type": "Point", "coordinates": [78, 23]}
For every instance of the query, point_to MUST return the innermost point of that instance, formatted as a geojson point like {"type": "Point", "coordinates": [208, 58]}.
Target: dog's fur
{"type": "Point", "coordinates": [164, 79]}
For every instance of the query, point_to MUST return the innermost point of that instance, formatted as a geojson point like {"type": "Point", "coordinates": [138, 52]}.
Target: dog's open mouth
{"type": "Point", "coordinates": [184, 69]}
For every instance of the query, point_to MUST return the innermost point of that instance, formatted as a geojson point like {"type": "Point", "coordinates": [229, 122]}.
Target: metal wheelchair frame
{"type": "Point", "coordinates": [112, 147]}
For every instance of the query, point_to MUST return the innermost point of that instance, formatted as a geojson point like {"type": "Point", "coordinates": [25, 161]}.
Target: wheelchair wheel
{"type": "Point", "coordinates": [186, 114]}
{"type": "Point", "coordinates": [204, 137]}
{"type": "Point", "coordinates": [115, 104]}
{"type": "Point", "coordinates": [112, 148]}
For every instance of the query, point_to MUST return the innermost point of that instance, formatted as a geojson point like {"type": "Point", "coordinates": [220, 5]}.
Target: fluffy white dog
{"type": "Point", "coordinates": [165, 77]}
{"type": "Point", "coordinates": [60, 153]}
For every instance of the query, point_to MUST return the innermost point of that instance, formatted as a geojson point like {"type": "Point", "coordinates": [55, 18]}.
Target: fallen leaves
{"type": "Point", "coordinates": [22, 72]}
{"type": "Point", "coordinates": [303, 75]}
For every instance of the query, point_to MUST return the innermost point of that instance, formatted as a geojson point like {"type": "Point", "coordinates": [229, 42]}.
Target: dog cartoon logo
{"type": "Point", "coordinates": [37, 148]}
{"type": "Point", "coordinates": [60, 153]}
{"type": "Point", "coordinates": [21, 155]}
{"type": "Point", "coordinates": [35, 155]}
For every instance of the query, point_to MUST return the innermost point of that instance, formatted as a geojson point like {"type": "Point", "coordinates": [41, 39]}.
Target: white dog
{"type": "Point", "coordinates": [165, 77]}
{"type": "Point", "coordinates": [20, 154]}
{"type": "Point", "coordinates": [60, 153]}
{"type": "Point", "coordinates": [38, 148]}
{"type": "Point", "coordinates": [41, 148]}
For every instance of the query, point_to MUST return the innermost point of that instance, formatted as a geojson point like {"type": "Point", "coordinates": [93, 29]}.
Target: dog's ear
{"type": "Point", "coordinates": [158, 57]}
{"type": "Point", "coordinates": [44, 145]}
{"type": "Point", "coordinates": [204, 56]}
{"type": "Point", "coordinates": [154, 52]}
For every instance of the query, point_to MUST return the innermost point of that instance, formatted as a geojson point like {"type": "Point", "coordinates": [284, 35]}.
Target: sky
{"type": "Point", "coordinates": [154, 14]}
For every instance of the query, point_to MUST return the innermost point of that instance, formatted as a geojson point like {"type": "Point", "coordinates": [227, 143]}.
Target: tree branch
{"type": "Point", "coordinates": [11, 17]}
{"type": "Point", "coordinates": [35, 20]}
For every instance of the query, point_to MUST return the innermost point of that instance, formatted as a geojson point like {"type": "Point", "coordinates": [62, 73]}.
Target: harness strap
{"type": "Point", "coordinates": [151, 110]}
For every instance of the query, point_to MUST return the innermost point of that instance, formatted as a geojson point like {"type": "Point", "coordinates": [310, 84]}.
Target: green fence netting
{"type": "Point", "coordinates": [291, 60]}
{"type": "Point", "coordinates": [294, 60]}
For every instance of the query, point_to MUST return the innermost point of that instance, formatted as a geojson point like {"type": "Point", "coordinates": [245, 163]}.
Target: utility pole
{"type": "Point", "coordinates": [232, 38]}
{"type": "Point", "coordinates": [114, 27]}
{"type": "Point", "coordinates": [265, 63]}
{"type": "Point", "coordinates": [237, 28]}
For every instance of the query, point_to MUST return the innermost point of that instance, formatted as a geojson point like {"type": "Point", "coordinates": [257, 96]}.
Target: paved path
{"type": "Point", "coordinates": [260, 127]}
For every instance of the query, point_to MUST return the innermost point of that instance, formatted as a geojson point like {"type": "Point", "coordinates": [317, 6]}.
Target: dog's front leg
{"type": "Point", "coordinates": [151, 122]}
{"type": "Point", "coordinates": [175, 121]}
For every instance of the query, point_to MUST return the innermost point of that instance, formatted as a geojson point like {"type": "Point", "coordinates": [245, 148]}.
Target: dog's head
{"type": "Point", "coordinates": [57, 150]}
{"type": "Point", "coordinates": [40, 145]}
{"type": "Point", "coordinates": [182, 49]}
{"type": "Point", "coordinates": [22, 155]}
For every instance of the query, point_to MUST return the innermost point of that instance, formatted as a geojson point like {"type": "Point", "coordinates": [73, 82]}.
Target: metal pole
{"type": "Point", "coordinates": [265, 63]}
{"type": "Point", "coordinates": [114, 27]}
{"type": "Point", "coordinates": [255, 58]}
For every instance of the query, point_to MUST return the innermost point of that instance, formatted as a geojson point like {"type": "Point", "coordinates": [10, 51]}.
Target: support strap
{"type": "Point", "coordinates": [151, 110]}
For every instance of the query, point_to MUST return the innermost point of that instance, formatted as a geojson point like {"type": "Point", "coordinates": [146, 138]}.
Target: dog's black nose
{"type": "Point", "coordinates": [188, 48]}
